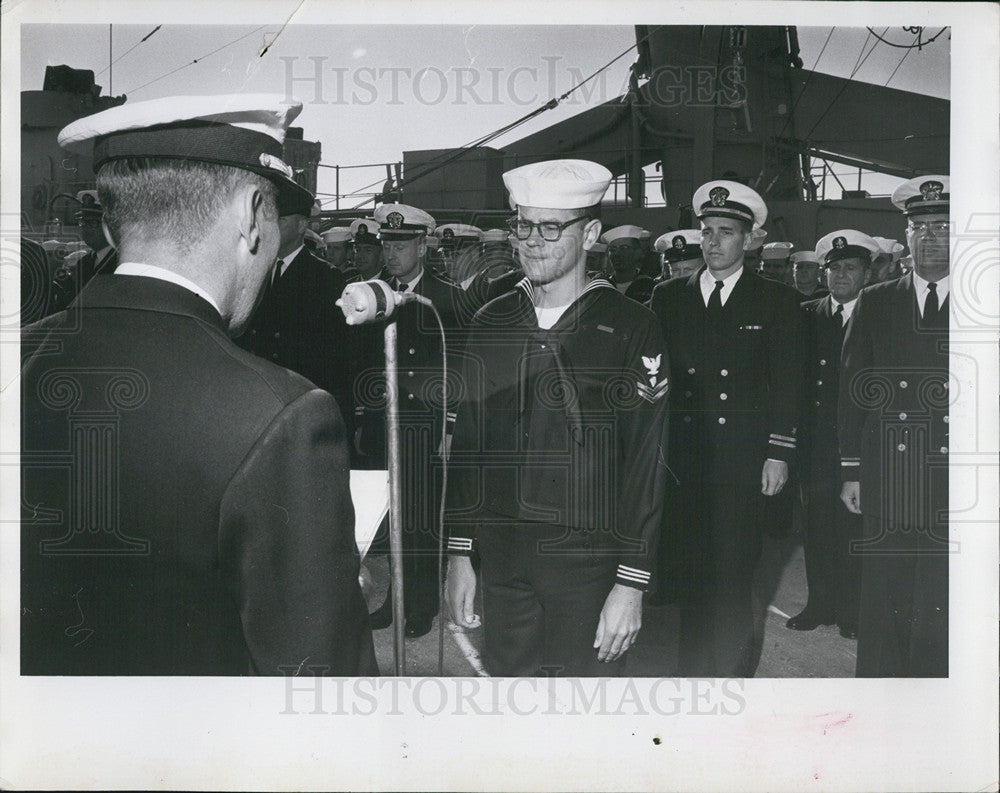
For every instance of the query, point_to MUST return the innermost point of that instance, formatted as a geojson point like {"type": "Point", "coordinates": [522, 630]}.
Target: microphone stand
{"type": "Point", "coordinates": [395, 498]}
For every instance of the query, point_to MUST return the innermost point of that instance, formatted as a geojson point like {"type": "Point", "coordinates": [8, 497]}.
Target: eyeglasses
{"type": "Point", "coordinates": [937, 226]}
{"type": "Point", "coordinates": [548, 230]}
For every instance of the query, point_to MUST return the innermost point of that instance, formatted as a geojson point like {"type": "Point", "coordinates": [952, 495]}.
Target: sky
{"type": "Point", "coordinates": [372, 91]}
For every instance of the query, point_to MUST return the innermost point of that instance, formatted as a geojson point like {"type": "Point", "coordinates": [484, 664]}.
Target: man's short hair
{"type": "Point", "coordinates": [177, 200]}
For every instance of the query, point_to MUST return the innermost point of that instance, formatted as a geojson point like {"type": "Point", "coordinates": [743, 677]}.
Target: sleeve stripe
{"type": "Point", "coordinates": [459, 543]}
{"type": "Point", "coordinates": [849, 463]}
{"type": "Point", "coordinates": [631, 574]}
{"type": "Point", "coordinates": [782, 443]}
{"type": "Point", "coordinates": [775, 435]}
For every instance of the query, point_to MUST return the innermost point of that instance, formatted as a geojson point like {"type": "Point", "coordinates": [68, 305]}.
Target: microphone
{"type": "Point", "coordinates": [372, 301]}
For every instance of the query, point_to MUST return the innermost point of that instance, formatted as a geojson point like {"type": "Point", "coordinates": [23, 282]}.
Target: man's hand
{"type": "Point", "coordinates": [850, 494]}
{"type": "Point", "coordinates": [460, 591]}
{"type": "Point", "coordinates": [620, 621]}
{"type": "Point", "coordinates": [773, 477]}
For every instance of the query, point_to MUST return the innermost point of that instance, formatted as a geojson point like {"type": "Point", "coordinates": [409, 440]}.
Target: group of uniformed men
{"type": "Point", "coordinates": [213, 534]}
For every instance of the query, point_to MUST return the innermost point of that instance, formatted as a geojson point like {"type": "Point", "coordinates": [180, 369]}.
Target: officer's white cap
{"type": "Point", "coordinates": [680, 245]}
{"type": "Point", "coordinates": [242, 130]}
{"type": "Point", "coordinates": [402, 221]}
{"type": "Point", "coordinates": [776, 250]}
{"type": "Point", "coordinates": [846, 244]}
{"type": "Point", "coordinates": [557, 184]}
{"type": "Point", "coordinates": [923, 195]}
{"type": "Point", "coordinates": [462, 231]}
{"type": "Point", "coordinates": [722, 198]}
{"type": "Point", "coordinates": [625, 232]}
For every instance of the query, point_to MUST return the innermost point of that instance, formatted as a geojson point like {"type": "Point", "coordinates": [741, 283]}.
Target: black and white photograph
{"type": "Point", "coordinates": [529, 396]}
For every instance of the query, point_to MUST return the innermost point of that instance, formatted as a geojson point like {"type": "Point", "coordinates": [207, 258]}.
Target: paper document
{"type": "Point", "coordinates": [370, 494]}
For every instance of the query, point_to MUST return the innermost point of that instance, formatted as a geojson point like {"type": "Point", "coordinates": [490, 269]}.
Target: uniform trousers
{"type": "Point", "coordinates": [716, 615]}
{"type": "Point", "coordinates": [833, 571]}
{"type": "Point", "coordinates": [543, 590]}
{"type": "Point", "coordinates": [903, 629]}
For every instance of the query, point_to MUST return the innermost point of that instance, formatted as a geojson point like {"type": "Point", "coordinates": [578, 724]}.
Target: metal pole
{"type": "Point", "coordinates": [110, 72]}
{"type": "Point", "coordinates": [337, 189]}
{"type": "Point", "coordinates": [395, 496]}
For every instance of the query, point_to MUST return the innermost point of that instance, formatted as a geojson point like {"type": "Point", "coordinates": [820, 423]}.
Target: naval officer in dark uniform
{"type": "Point", "coordinates": [894, 398]}
{"type": "Point", "coordinates": [403, 232]}
{"type": "Point", "coordinates": [732, 338]}
{"type": "Point", "coordinates": [296, 324]}
{"type": "Point", "coordinates": [833, 570]}
{"type": "Point", "coordinates": [558, 455]}
{"type": "Point", "coordinates": [193, 508]}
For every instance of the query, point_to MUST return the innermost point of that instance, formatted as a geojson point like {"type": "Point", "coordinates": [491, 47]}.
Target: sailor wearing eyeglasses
{"type": "Point", "coordinates": [893, 428]}
{"type": "Point", "coordinates": [733, 337]}
{"type": "Point", "coordinates": [557, 467]}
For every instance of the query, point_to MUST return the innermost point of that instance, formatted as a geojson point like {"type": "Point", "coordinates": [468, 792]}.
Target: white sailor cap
{"type": "Point", "coordinates": [726, 199]}
{"type": "Point", "coordinates": [461, 232]}
{"type": "Point", "coordinates": [625, 232]}
{"type": "Point", "coordinates": [402, 222]}
{"type": "Point", "coordinates": [337, 234]}
{"type": "Point", "coordinates": [804, 256]}
{"type": "Point", "coordinates": [365, 230]}
{"type": "Point", "coordinates": [757, 237]}
{"type": "Point", "coordinates": [681, 245]}
{"type": "Point", "coordinates": [242, 130]}
{"type": "Point", "coordinates": [846, 244]}
{"type": "Point", "coordinates": [776, 251]}
{"type": "Point", "coordinates": [923, 195]}
{"type": "Point", "coordinates": [893, 247]}
{"type": "Point", "coordinates": [557, 184]}
{"type": "Point", "coordinates": [496, 235]}
{"type": "Point", "coordinates": [90, 205]}
{"type": "Point", "coordinates": [598, 247]}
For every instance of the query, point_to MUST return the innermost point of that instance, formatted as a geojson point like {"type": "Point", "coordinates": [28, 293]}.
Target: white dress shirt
{"type": "Point", "coordinates": [920, 287]}
{"type": "Point", "coordinates": [707, 284]}
{"type": "Point", "coordinates": [149, 271]}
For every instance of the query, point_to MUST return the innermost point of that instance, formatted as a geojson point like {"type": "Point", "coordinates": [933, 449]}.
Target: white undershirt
{"type": "Point", "coordinates": [547, 317]}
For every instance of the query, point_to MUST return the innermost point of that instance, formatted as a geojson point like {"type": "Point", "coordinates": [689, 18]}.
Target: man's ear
{"type": "Point", "coordinates": [250, 206]}
{"type": "Point", "coordinates": [591, 233]}
{"type": "Point", "coordinates": [107, 234]}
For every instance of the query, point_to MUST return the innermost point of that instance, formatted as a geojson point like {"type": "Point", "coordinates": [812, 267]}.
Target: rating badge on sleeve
{"type": "Point", "coordinates": [656, 389]}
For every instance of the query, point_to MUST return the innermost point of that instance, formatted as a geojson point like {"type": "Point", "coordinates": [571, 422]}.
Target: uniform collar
{"type": "Point", "coordinates": [151, 271]}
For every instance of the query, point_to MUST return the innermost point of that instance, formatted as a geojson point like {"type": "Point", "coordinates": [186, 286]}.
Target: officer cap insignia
{"type": "Point", "coordinates": [448, 234]}
{"type": "Point", "coordinates": [678, 242]}
{"type": "Point", "coordinates": [718, 195]}
{"type": "Point", "coordinates": [931, 191]}
{"type": "Point", "coordinates": [362, 228]}
{"type": "Point", "coordinates": [839, 242]}
{"type": "Point", "coordinates": [394, 219]}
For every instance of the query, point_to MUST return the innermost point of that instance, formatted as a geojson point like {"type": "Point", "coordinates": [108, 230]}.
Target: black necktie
{"type": "Point", "coordinates": [931, 305]}
{"type": "Point", "coordinates": [715, 300]}
{"type": "Point", "coordinates": [277, 273]}
{"type": "Point", "coordinates": [839, 314]}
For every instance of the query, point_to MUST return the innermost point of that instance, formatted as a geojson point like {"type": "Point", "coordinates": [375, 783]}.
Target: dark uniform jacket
{"type": "Point", "coordinates": [734, 404]}
{"type": "Point", "coordinates": [894, 409]}
{"type": "Point", "coordinates": [298, 326]}
{"type": "Point", "coordinates": [185, 504]}
{"type": "Point", "coordinates": [823, 339]}
{"type": "Point", "coordinates": [419, 357]}
{"type": "Point", "coordinates": [564, 426]}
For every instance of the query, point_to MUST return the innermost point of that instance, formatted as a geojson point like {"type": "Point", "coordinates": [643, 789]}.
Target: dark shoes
{"type": "Point", "coordinates": [849, 631]}
{"type": "Point", "coordinates": [382, 616]}
{"type": "Point", "coordinates": [418, 625]}
{"type": "Point", "coordinates": [807, 620]}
